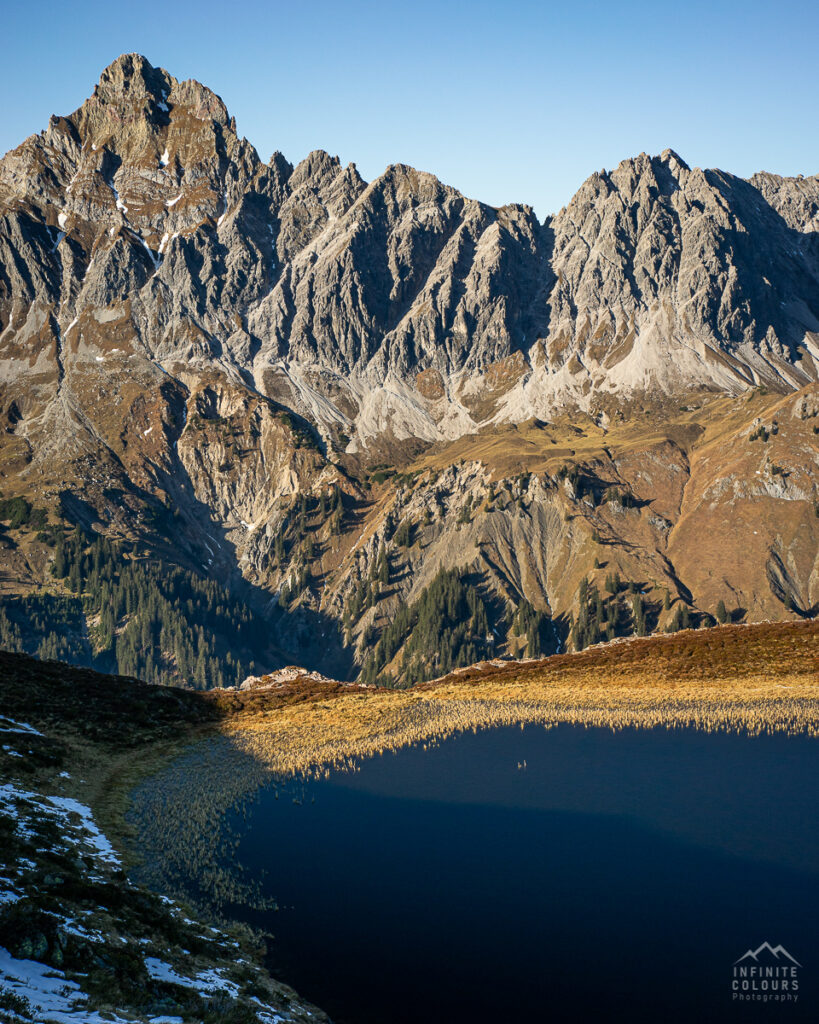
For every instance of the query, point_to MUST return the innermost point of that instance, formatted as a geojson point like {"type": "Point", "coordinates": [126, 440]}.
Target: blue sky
{"type": "Point", "coordinates": [514, 102]}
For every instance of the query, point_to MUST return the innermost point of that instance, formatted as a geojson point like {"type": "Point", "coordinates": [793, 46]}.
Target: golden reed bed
{"type": "Point", "coordinates": [762, 678]}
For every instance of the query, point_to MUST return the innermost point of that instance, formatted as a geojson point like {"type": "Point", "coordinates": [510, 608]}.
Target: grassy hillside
{"type": "Point", "coordinates": [76, 936]}
{"type": "Point", "coordinates": [283, 730]}
{"type": "Point", "coordinates": [762, 677]}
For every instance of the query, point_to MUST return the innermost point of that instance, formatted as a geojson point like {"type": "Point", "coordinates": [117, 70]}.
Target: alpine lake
{"type": "Point", "coordinates": [521, 873]}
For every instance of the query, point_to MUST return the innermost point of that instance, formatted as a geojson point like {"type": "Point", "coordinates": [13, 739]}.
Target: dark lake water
{"type": "Point", "coordinates": [616, 877]}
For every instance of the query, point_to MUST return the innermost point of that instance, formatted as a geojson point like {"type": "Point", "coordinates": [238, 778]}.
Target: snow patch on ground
{"type": "Point", "coordinates": [154, 258]}
{"type": "Point", "coordinates": [50, 993]}
{"type": "Point", "coordinates": [166, 238]}
{"type": "Point", "coordinates": [62, 217]}
{"type": "Point", "coordinates": [214, 980]}
{"type": "Point", "coordinates": [59, 809]}
{"type": "Point", "coordinates": [206, 982]}
{"type": "Point", "coordinates": [172, 202]}
{"type": "Point", "coordinates": [163, 160]}
{"type": "Point", "coordinates": [93, 837]}
{"type": "Point", "coordinates": [9, 724]}
{"type": "Point", "coordinates": [8, 894]}
{"type": "Point", "coordinates": [265, 1015]}
{"type": "Point", "coordinates": [75, 927]}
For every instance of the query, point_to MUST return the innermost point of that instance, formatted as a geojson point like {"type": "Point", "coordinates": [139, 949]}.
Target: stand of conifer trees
{"type": "Point", "coordinates": [445, 628]}
{"type": "Point", "coordinates": [536, 627]}
{"type": "Point", "coordinates": [135, 616]}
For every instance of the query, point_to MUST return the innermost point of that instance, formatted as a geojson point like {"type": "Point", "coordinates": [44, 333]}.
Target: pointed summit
{"type": "Point", "coordinates": [132, 76]}
{"type": "Point", "coordinates": [668, 156]}
{"type": "Point", "coordinates": [131, 90]}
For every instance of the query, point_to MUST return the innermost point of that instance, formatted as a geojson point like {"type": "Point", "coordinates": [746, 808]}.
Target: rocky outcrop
{"type": "Point", "coordinates": [717, 504]}
{"type": "Point", "coordinates": [671, 276]}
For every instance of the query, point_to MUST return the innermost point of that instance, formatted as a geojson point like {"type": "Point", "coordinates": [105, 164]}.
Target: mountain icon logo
{"type": "Point", "coordinates": [777, 952]}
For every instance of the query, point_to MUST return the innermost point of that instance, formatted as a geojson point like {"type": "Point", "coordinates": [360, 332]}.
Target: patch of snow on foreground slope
{"type": "Point", "coordinates": [75, 819]}
{"type": "Point", "coordinates": [9, 725]}
{"type": "Point", "coordinates": [206, 981]}
{"type": "Point", "coordinates": [93, 837]}
{"type": "Point", "coordinates": [50, 994]}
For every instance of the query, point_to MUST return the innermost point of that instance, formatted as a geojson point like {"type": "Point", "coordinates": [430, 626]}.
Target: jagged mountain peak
{"type": "Point", "coordinates": [795, 199]}
{"type": "Point", "coordinates": [136, 104]}
{"type": "Point", "coordinates": [317, 165]}
{"type": "Point", "coordinates": [132, 76]}
{"type": "Point", "coordinates": [184, 326]}
{"type": "Point", "coordinates": [132, 80]}
{"type": "Point", "coordinates": [139, 124]}
{"type": "Point", "coordinates": [673, 158]}
{"type": "Point", "coordinates": [400, 187]}
{"type": "Point", "coordinates": [336, 296]}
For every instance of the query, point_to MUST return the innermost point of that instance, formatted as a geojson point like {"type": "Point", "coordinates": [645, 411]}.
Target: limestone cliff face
{"type": "Point", "coordinates": [183, 325]}
{"type": "Point", "coordinates": [670, 275]}
{"type": "Point", "coordinates": [334, 295]}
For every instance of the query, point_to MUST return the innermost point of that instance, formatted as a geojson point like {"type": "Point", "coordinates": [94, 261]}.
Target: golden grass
{"type": "Point", "coordinates": [535, 447]}
{"type": "Point", "coordinates": [759, 679]}
{"type": "Point", "coordinates": [183, 814]}
{"type": "Point", "coordinates": [301, 738]}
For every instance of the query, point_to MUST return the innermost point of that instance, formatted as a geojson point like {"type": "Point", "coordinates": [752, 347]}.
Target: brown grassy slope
{"type": "Point", "coordinates": [533, 446]}
{"type": "Point", "coordinates": [709, 515]}
{"type": "Point", "coordinates": [712, 515]}
{"type": "Point", "coordinates": [108, 731]}
{"type": "Point", "coordinates": [116, 711]}
{"type": "Point", "coordinates": [99, 734]}
{"type": "Point", "coordinates": [112, 731]}
{"type": "Point", "coordinates": [769, 649]}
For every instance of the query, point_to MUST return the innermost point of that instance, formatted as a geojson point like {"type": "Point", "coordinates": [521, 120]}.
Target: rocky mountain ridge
{"type": "Point", "coordinates": [395, 306]}
{"type": "Point", "coordinates": [263, 371]}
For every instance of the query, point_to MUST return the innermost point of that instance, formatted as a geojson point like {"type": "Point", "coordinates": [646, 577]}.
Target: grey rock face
{"type": "Point", "coordinates": [668, 275]}
{"type": "Point", "coordinates": [396, 308]}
